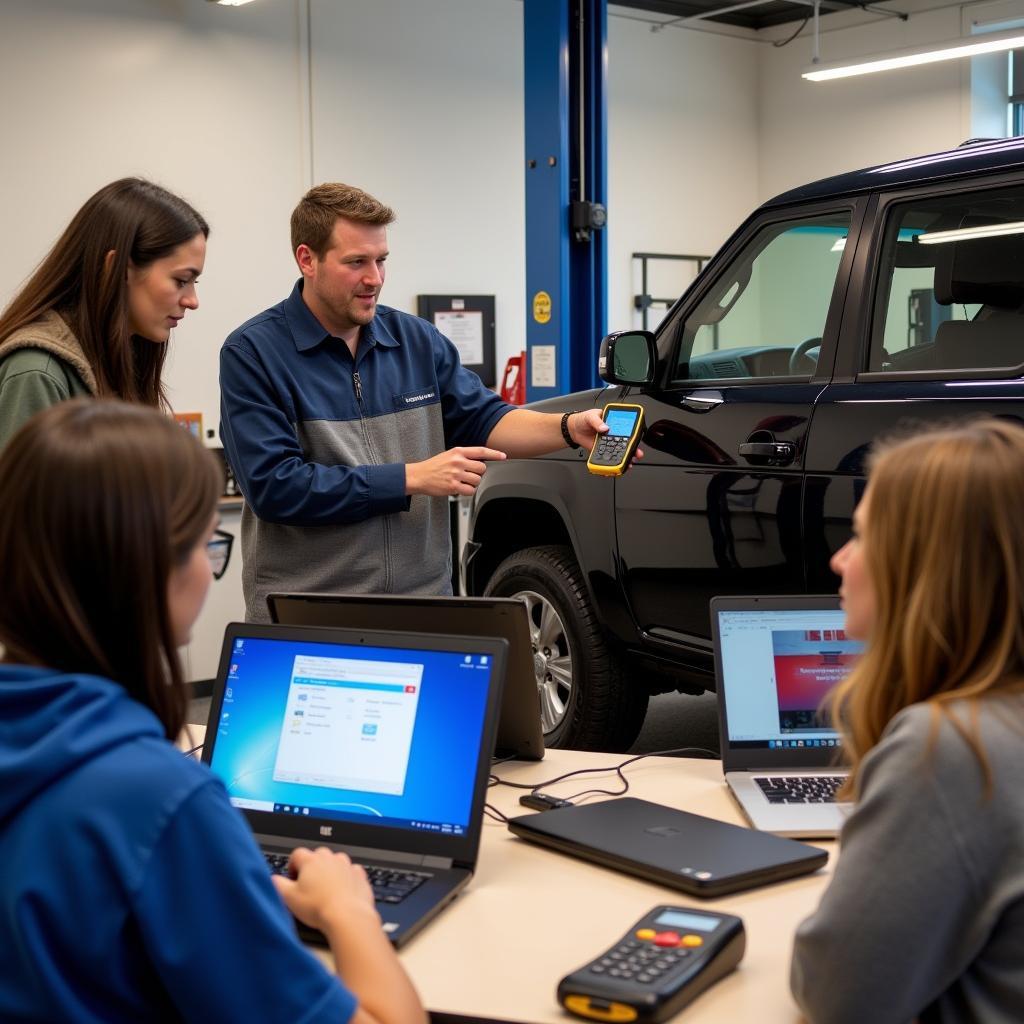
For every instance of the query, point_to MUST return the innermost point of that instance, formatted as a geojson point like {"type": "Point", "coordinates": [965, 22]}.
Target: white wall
{"type": "Point", "coordinates": [421, 104]}
{"type": "Point", "coordinates": [811, 130]}
{"type": "Point", "coordinates": [185, 92]}
{"type": "Point", "coordinates": [682, 146]}
{"type": "Point", "coordinates": [212, 102]}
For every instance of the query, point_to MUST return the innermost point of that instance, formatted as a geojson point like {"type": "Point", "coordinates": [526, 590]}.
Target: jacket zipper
{"type": "Point", "coordinates": [357, 385]}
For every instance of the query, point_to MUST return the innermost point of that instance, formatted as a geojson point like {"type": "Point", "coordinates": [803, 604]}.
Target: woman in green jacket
{"type": "Point", "coordinates": [95, 317]}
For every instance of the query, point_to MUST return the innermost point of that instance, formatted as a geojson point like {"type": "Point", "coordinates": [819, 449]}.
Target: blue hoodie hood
{"type": "Point", "coordinates": [51, 722]}
{"type": "Point", "coordinates": [131, 889]}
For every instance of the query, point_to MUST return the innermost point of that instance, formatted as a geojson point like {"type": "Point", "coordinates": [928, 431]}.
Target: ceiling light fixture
{"type": "Point", "coordinates": [230, 3]}
{"type": "Point", "coordinates": [988, 43]}
{"type": "Point", "coordinates": [966, 234]}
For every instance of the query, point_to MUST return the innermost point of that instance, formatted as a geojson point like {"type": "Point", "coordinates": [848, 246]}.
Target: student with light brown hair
{"type": "Point", "coordinates": [924, 916]}
{"type": "Point", "coordinates": [96, 315]}
{"type": "Point", "coordinates": [131, 888]}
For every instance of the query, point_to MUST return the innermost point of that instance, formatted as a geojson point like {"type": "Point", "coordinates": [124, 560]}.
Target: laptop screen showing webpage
{"type": "Point", "coordinates": [385, 736]}
{"type": "Point", "coordinates": [777, 668]}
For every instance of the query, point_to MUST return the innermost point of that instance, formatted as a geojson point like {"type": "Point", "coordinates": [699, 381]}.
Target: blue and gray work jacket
{"type": "Point", "coordinates": [319, 443]}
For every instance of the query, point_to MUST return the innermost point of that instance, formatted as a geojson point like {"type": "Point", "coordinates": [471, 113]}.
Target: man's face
{"type": "Point", "coordinates": [344, 284]}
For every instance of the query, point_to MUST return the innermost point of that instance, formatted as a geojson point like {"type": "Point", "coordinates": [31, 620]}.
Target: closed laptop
{"type": "Point", "coordinates": [701, 856]}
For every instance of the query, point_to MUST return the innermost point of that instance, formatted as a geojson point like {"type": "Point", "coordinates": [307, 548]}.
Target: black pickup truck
{"type": "Point", "coordinates": [851, 308]}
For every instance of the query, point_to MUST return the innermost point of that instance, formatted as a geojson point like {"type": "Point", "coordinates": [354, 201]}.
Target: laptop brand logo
{"type": "Point", "coordinates": [664, 831]}
{"type": "Point", "coordinates": [327, 830]}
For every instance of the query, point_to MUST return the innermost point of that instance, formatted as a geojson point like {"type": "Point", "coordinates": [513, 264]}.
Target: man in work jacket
{"type": "Point", "coordinates": [348, 424]}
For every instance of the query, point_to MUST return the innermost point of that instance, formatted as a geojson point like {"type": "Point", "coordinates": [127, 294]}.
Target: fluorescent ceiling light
{"type": "Point", "coordinates": [963, 234]}
{"type": "Point", "coordinates": [989, 43]}
{"type": "Point", "coordinates": [840, 245]}
{"type": "Point", "coordinates": [230, 3]}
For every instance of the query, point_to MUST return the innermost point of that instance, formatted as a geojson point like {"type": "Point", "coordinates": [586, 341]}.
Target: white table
{"type": "Point", "coordinates": [530, 915]}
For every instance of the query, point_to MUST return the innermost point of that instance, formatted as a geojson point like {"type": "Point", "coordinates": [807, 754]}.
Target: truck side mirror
{"type": "Point", "coordinates": [628, 357]}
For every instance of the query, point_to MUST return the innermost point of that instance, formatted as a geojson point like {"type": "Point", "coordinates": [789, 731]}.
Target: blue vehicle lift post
{"type": "Point", "coordinates": [565, 45]}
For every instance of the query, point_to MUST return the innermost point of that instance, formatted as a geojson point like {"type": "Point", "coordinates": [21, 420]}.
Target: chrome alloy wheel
{"type": "Point", "coordinates": [552, 660]}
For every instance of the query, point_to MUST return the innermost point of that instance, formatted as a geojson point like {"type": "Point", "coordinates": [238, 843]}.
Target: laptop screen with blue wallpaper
{"type": "Point", "coordinates": [388, 736]}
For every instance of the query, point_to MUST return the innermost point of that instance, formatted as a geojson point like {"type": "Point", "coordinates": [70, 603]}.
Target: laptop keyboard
{"type": "Point", "coordinates": [800, 789]}
{"type": "Point", "coordinates": [389, 885]}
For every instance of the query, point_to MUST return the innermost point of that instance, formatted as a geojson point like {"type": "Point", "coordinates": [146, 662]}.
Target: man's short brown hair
{"type": "Point", "coordinates": [318, 211]}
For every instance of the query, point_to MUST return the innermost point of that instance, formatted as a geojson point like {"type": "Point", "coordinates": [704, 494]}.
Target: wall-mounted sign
{"type": "Point", "coordinates": [542, 366]}
{"type": "Point", "coordinates": [467, 321]}
{"type": "Point", "coordinates": [192, 422]}
{"type": "Point", "coordinates": [465, 330]}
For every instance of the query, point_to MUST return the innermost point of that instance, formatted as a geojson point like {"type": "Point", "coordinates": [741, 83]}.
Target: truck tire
{"type": "Point", "coordinates": [586, 701]}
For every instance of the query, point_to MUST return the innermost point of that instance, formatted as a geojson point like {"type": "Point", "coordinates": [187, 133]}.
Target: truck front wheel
{"type": "Point", "coordinates": [586, 701]}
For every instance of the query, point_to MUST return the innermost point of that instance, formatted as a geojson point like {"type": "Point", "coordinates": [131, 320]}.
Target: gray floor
{"type": "Point", "coordinates": [199, 711]}
{"type": "Point", "coordinates": [679, 720]}
{"type": "Point", "coordinates": [673, 720]}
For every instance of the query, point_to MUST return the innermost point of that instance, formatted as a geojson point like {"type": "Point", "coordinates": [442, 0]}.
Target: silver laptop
{"type": "Point", "coordinates": [776, 660]}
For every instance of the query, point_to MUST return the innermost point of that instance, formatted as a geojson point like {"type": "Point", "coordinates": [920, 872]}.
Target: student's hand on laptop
{"type": "Point", "coordinates": [326, 887]}
{"type": "Point", "coordinates": [329, 892]}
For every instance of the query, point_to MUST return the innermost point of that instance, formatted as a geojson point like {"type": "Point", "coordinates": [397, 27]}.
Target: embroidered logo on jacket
{"type": "Point", "coordinates": [415, 397]}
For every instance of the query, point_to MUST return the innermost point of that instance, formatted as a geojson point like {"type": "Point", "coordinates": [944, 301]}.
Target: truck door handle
{"type": "Point", "coordinates": [702, 401]}
{"type": "Point", "coordinates": [779, 452]}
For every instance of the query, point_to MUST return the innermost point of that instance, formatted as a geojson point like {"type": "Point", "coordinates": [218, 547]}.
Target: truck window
{"type": "Point", "coordinates": [765, 315]}
{"type": "Point", "coordinates": [951, 285]}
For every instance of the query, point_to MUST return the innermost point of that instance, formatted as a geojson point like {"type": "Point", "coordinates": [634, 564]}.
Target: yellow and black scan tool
{"type": "Point", "coordinates": [660, 965]}
{"type": "Point", "coordinates": [613, 451]}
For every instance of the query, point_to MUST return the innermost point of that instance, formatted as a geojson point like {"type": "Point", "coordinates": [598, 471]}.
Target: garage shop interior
{"type": "Point", "coordinates": [509, 511]}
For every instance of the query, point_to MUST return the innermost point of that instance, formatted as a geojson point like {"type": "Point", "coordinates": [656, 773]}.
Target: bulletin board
{"type": "Point", "coordinates": [468, 322]}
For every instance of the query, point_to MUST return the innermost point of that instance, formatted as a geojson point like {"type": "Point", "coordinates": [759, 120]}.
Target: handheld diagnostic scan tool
{"type": "Point", "coordinates": [612, 452]}
{"type": "Point", "coordinates": [663, 962]}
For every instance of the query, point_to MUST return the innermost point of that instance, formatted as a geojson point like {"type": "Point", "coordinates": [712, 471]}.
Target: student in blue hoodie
{"type": "Point", "coordinates": [131, 888]}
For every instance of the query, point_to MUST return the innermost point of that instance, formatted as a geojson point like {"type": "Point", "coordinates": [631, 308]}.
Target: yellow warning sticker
{"type": "Point", "coordinates": [542, 307]}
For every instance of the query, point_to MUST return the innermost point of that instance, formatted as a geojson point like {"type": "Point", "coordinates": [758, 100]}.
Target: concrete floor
{"type": "Point", "coordinates": [679, 720]}
{"type": "Point", "coordinates": [199, 711]}
{"type": "Point", "coordinates": [673, 720]}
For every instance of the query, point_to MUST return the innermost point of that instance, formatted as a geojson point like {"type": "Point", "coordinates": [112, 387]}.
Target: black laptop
{"type": "Point", "coordinates": [519, 725]}
{"type": "Point", "coordinates": [374, 743]}
{"type": "Point", "coordinates": [701, 856]}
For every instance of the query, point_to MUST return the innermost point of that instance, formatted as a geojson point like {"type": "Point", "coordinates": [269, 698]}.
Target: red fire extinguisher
{"type": "Point", "coordinates": [513, 385]}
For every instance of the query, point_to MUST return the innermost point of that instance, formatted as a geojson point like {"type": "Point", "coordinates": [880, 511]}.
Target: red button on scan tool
{"type": "Point", "coordinates": [666, 939]}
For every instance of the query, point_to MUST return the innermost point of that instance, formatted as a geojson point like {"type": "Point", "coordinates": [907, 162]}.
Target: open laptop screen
{"type": "Point", "coordinates": [777, 667]}
{"type": "Point", "coordinates": [388, 736]}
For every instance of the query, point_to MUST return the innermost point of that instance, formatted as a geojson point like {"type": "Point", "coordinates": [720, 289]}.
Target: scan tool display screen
{"type": "Point", "coordinates": [621, 422]}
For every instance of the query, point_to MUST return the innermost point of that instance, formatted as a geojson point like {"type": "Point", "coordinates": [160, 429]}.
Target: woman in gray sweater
{"type": "Point", "coordinates": [924, 917]}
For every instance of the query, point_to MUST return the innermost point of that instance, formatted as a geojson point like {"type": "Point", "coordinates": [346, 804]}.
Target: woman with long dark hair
{"type": "Point", "coordinates": [95, 317]}
{"type": "Point", "coordinates": [131, 888]}
{"type": "Point", "coordinates": [924, 916]}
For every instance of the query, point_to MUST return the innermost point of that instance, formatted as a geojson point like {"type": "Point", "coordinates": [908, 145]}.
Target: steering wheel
{"type": "Point", "coordinates": [799, 353]}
